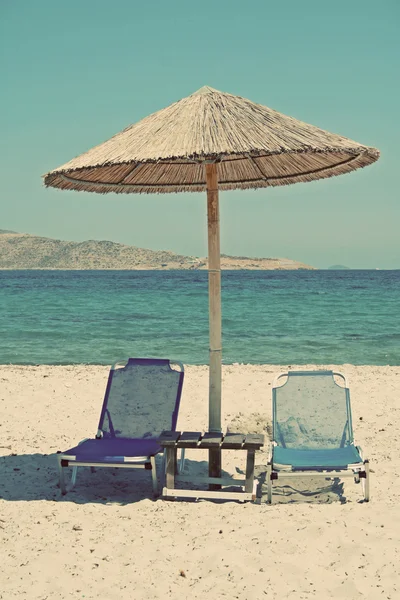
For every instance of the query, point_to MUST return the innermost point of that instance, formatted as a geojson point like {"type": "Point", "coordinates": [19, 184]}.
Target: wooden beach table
{"type": "Point", "coordinates": [172, 440]}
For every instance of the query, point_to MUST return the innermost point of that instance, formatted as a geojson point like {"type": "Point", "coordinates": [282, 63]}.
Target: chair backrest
{"type": "Point", "coordinates": [310, 410]}
{"type": "Point", "coordinates": [142, 398]}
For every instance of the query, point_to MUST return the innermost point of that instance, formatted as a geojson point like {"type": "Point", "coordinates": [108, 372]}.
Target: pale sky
{"type": "Point", "coordinates": [74, 74]}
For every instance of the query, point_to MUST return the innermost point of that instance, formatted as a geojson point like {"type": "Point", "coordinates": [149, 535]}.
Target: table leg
{"type": "Point", "coordinates": [250, 471]}
{"type": "Point", "coordinates": [170, 467]}
{"type": "Point", "coordinates": [214, 466]}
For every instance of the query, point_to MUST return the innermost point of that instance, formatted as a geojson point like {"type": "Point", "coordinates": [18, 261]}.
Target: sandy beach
{"type": "Point", "coordinates": [108, 539]}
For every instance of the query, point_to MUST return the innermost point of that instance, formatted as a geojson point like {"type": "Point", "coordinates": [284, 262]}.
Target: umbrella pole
{"type": "Point", "coordinates": [214, 296]}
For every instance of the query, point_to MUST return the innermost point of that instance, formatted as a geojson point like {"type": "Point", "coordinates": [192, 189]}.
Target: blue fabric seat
{"type": "Point", "coordinates": [330, 458]}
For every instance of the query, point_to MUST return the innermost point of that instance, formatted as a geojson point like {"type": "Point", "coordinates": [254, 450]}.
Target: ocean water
{"type": "Point", "coordinates": [276, 317]}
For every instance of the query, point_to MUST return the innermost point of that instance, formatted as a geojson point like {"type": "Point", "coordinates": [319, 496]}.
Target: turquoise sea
{"type": "Point", "coordinates": [276, 317]}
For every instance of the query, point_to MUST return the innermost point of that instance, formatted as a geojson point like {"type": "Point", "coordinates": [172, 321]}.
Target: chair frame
{"type": "Point", "coordinates": [136, 462]}
{"type": "Point", "coordinates": [359, 471]}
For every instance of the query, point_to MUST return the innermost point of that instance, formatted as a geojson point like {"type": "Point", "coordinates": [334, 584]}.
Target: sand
{"type": "Point", "coordinates": [108, 539]}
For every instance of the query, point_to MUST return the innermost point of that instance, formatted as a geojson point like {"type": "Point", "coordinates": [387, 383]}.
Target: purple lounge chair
{"type": "Point", "coordinates": [142, 399]}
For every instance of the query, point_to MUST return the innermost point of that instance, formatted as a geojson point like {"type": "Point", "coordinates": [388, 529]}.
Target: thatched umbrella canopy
{"type": "Point", "coordinates": [253, 145]}
{"type": "Point", "coordinates": [211, 141]}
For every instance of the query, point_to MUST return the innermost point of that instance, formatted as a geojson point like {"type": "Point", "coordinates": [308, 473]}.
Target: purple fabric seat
{"type": "Point", "coordinates": [113, 450]}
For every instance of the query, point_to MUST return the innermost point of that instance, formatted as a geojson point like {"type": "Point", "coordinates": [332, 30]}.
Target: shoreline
{"type": "Point", "coordinates": [197, 269]}
{"type": "Point", "coordinates": [297, 367]}
{"type": "Point", "coordinates": [223, 268]}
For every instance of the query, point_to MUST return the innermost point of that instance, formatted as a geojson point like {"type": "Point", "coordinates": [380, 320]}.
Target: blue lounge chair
{"type": "Point", "coordinates": [142, 399]}
{"type": "Point", "coordinates": [312, 429]}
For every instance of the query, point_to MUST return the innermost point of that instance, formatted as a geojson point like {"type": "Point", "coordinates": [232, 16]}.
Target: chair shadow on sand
{"type": "Point", "coordinates": [304, 490]}
{"type": "Point", "coordinates": [30, 477]}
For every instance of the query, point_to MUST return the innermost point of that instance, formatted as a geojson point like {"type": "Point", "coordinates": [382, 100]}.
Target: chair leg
{"type": "Point", "coordinates": [73, 477]}
{"type": "Point", "coordinates": [366, 481]}
{"type": "Point", "coordinates": [154, 476]}
{"type": "Point", "coordinates": [269, 483]}
{"type": "Point", "coordinates": [182, 461]}
{"type": "Point", "coordinates": [66, 487]}
{"type": "Point", "coordinates": [62, 479]}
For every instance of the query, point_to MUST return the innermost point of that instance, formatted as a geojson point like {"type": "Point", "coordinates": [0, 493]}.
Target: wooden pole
{"type": "Point", "coordinates": [214, 295]}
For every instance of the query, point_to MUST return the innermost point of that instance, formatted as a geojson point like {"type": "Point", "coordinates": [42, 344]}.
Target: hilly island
{"type": "Point", "coordinates": [25, 251]}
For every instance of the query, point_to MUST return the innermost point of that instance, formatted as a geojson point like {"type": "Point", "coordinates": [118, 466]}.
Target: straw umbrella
{"type": "Point", "coordinates": [211, 141]}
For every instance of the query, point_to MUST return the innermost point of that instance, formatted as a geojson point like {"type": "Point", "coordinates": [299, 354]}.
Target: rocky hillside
{"type": "Point", "coordinates": [24, 251]}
